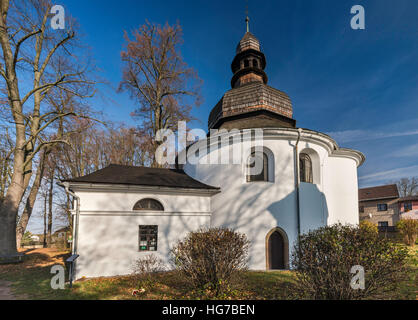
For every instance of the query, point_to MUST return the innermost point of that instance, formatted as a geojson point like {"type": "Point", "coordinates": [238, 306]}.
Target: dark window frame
{"type": "Point", "coordinates": [361, 209]}
{"type": "Point", "coordinates": [305, 168]}
{"type": "Point", "coordinates": [148, 238]}
{"type": "Point", "coordinates": [407, 206]}
{"type": "Point", "coordinates": [383, 224]}
{"type": "Point", "coordinates": [148, 204]}
{"type": "Point", "coordinates": [381, 207]}
{"type": "Point", "coordinates": [264, 175]}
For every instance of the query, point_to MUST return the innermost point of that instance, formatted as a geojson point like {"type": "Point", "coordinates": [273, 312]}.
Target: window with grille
{"type": "Point", "coordinates": [148, 204]}
{"type": "Point", "coordinates": [148, 238]}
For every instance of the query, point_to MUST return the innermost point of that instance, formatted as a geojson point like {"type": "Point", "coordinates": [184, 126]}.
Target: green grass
{"type": "Point", "coordinates": [31, 280]}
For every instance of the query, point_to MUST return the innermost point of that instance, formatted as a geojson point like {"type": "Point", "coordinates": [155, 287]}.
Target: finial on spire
{"type": "Point", "coordinates": [247, 19]}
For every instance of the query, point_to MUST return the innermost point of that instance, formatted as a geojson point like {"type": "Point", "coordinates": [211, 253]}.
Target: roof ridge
{"type": "Point", "coordinates": [145, 167]}
{"type": "Point", "coordinates": [385, 185]}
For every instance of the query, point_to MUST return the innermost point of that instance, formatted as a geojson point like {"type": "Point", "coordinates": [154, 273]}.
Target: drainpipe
{"type": "Point", "coordinates": [66, 186]}
{"type": "Point", "coordinates": [297, 181]}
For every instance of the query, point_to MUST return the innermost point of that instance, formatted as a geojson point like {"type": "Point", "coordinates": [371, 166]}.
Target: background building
{"type": "Point", "coordinates": [380, 205]}
{"type": "Point", "coordinates": [408, 207]}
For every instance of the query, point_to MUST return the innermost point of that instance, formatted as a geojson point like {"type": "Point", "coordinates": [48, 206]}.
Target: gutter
{"type": "Point", "coordinates": [66, 186]}
{"type": "Point", "coordinates": [297, 181]}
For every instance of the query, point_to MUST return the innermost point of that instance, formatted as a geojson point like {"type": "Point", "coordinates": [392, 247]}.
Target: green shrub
{"type": "Point", "coordinates": [368, 226]}
{"type": "Point", "coordinates": [209, 258]}
{"type": "Point", "coordinates": [323, 260]}
{"type": "Point", "coordinates": [408, 228]}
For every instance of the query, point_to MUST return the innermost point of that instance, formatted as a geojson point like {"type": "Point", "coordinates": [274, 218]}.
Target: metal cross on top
{"type": "Point", "coordinates": [247, 19]}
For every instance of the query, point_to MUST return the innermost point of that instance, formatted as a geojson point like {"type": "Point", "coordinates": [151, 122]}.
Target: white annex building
{"type": "Point", "coordinates": [307, 181]}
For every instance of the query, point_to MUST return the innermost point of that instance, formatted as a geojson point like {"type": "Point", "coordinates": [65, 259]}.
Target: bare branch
{"type": "Point", "coordinates": [20, 42]}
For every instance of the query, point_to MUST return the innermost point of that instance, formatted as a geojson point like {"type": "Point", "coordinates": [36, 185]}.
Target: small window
{"type": "Point", "coordinates": [257, 158]}
{"type": "Point", "coordinates": [246, 63]}
{"type": "Point", "coordinates": [361, 209]}
{"type": "Point", "coordinates": [148, 205]}
{"type": "Point", "coordinates": [148, 237]}
{"type": "Point", "coordinates": [305, 168]}
{"type": "Point", "coordinates": [407, 206]}
{"type": "Point", "coordinates": [255, 63]}
{"type": "Point", "coordinates": [382, 207]}
{"type": "Point", "coordinates": [383, 224]}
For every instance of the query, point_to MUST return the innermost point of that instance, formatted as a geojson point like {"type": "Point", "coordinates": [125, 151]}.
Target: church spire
{"type": "Point", "coordinates": [249, 62]}
{"type": "Point", "coordinates": [247, 19]}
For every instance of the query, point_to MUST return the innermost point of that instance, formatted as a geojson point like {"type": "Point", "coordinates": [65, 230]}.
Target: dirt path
{"type": "Point", "coordinates": [6, 291]}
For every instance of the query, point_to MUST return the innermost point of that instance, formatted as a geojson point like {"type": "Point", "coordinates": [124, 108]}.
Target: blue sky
{"type": "Point", "coordinates": [360, 86]}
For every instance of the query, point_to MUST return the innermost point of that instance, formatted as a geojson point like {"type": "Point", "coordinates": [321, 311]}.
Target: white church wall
{"type": "Point", "coordinates": [108, 243]}
{"type": "Point", "coordinates": [125, 201]}
{"type": "Point", "coordinates": [341, 190]}
{"type": "Point", "coordinates": [255, 208]}
{"type": "Point", "coordinates": [109, 228]}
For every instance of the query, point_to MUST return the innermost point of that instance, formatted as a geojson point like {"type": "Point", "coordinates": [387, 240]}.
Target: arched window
{"type": "Point", "coordinates": [305, 167]}
{"type": "Point", "coordinates": [255, 63]}
{"type": "Point", "coordinates": [253, 172]}
{"type": "Point", "coordinates": [148, 205]}
{"type": "Point", "coordinates": [246, 63]}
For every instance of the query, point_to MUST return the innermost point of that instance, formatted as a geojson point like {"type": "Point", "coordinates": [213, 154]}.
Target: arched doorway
{"type": "Point", "coordinates": [277, 250]}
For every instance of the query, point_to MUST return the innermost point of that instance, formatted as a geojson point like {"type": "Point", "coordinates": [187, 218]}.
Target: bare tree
{"type": "Point", "coordinates": [30, 201]}
{"type": "Point", "coordinates": [32, 52]}
{"type": "Point", "coordinates": [156, 76]}
{"type": "Point", "coordinates": [407, 186]}
{"type": "Point", "coordinates": [6, 161]}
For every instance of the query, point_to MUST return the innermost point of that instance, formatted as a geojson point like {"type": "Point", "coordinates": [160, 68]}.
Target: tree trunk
{"type": "Point", "coordinates": [10, 205]}
{"type": "Point", "coordinates": [45, 213]}
{"type": "Point", "coordinates": [51, 190]}
{"type": "Point", "coordinates": [27, 212]}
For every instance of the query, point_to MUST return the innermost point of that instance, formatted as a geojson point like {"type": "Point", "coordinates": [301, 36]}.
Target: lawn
{"type": "Point", "coordinates": [31, 280]}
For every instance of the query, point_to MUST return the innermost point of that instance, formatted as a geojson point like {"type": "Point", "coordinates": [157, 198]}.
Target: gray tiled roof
{"type": "Point", "coordinates": [142, 176]}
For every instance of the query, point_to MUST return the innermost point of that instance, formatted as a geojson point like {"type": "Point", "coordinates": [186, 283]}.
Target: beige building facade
{"type": "Point", "coordinates": [379, 205]}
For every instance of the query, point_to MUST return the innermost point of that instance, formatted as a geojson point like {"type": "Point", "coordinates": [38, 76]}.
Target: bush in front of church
{"type": "Point", "coordinates": [144, 270]}
{"type": "Point", "coordinates": [330, 261]}
{"type": "Point", "coordinates": [209, 258]}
